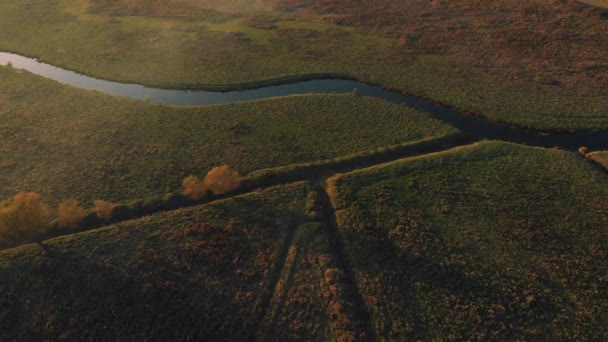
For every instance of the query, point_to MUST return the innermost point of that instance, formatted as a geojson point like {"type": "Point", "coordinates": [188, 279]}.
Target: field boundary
{"type": "Point", "coordinates": [258, 180]}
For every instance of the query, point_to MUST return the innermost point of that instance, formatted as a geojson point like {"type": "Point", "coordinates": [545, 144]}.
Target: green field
{"type": "Point", "coordinates": [353, 218]}
{"type": "Point", "coordinates": [488, 241]}
{"type": "Point", "coordinates": [129, 149]}
{"type": "Point", "coordinates": [255, 266]}
{"type": "Point", "coordinates": [444, 246]}
{"type": "Point", "coordinates": [450, 61]}
{"type": "Point", "coordinates": [201, 273]}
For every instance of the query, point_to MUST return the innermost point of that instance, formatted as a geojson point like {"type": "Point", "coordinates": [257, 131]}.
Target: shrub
{"type": "Point", "coordinates": [91, 220]}
{"type": "Point", "coordinates": [583, 150]}
{"type": "Point", "coordinates": [221, 180]}
{"type": "Point", "coordinates": [173, 201]}
{"type": "Point", "coordinates": [70, 213]}
{"type": "Point", "coordinates": [152, 205]}
{"type": "Point", "coordinates": [194, 188]}
{"type": "Point", "coordinates": [23, 218]}
{"type": "Point", "coordinates": [103, 209]}
{"type": "Point", "coordinates": [122, 212]}
{"type": "Point", "coordinates": [136, 207]}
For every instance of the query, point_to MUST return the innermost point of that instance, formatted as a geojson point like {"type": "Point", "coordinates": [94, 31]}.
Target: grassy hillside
{"type": "Point", "coordinates": [598, 3]}
{"type": "Point", "coordinates": [487, 241]}
{"type": "Point", "coordinates": [600, 157]}
{"type": "Point", "coordinates": [64, 142]}
{"type": "Point", "coordinates": [205, 273]}
{"type": "Point", "coordinates": [533, 63]}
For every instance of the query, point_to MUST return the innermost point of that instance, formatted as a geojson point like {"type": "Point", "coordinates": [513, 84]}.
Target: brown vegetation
{"type": "Point", "coordinates": [194, 188]}
{"type": "Point", "coordinates": [70, 213]}
{"type": "Point", "coordinates": [23, 218]}
{"type": "Point", "coordinates": [520, 42]}
{"type": "Point", "coordinates": [103, 209]}
{"type": "Point", "coordinates": [222, 179]}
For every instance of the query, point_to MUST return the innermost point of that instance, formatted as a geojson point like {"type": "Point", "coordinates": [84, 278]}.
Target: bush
{"type": "Point", "coordinates": [583, 150]}
{"type": "Point", "coordinates": [194, 188]}
{"type": "Point", "coordinates": [136, 207]}
{"type": "Point", "coordinates": [24, 218]}
{"type": "Point", "coordinates": [152, 205]}
{"type": "Point", "coordinates": [103, 209]}
{"type": "Point", "coordinates": [218, 181]}
{"type": "Point", "coordinates": [70, 214]}
{"type": "Point", "coordinates": [91, 220]}
{"type": "Point", "coordinates": [221, 180]}
{"type": "Point", "coordinates": [122, 212]}
{"type": "Point", "coordinates": [174, 201]}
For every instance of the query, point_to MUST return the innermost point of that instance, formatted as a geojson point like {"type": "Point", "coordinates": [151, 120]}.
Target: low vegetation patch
{"type": "Point", "coordinates": [450, 244]}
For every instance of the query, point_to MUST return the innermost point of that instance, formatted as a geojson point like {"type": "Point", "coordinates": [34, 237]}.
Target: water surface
{"type": "Point", "coordinates": [476, 127]}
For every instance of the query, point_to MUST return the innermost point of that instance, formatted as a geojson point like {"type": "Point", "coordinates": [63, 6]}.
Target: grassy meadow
{"type": "Point", "coordinates": [488, 241]}
{"type": "Point", "coordinates": [461, 54]}
{"type": "Point", "coordinates": [204, 273]}
{"type": "Point", "coordinates": [485, 241]}
{"type": "Point", "coordinates": [600, 157]}
{"type": "Point", "coordinates": [598, 3]}
{"type": "Point", "coordinates": [69, 143]}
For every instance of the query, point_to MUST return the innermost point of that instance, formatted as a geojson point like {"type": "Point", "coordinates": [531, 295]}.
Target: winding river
{"type": "Point", "coordinates": [476, 127]}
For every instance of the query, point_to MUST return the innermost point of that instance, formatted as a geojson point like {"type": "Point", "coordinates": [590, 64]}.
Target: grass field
{"type": "Point", "coordinates": [533, 64]}
{"type": "Point", "coordinates": [440, 246]}
{"type": "Point", "coordinates": [600, 157]}
{"type": "Point", "coordinates": [598, 3]}
{"type": "Point", "coordinates": [207, 272]}
{"type": "Point", "coordinates": [488, 241]}
{"type": "Point", "coordinates": [254, 267]}
{"type": "Point", "coordinates": [69, 143]}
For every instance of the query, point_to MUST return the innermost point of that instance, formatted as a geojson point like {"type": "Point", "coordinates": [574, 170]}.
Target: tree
{"type": "Point", "coordinates": [70, 213]}
{"type": "Point", "coordinates": [103, 209]}
{"type": "Point", "coordinates": [24, 218]}
{"type": "Point", "coordinates": [222, 179]}
{"type": "Point", "coordinates": [194, 188]}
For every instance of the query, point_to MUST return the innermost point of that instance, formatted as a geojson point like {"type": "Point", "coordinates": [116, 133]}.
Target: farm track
{"type": "Point", "coordinates": [281, 266]}
{"type": "Point", "coordinates": [363, 328]}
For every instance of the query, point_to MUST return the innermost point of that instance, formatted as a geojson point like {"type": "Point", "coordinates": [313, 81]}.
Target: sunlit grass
{"type": "Point", "coordinates": [600, 157]}
{"type": "Point", "coordinates": [440, 242]}
{"type": "Point", "coordinates": [599, 3]}
{"type": "Point", "coordinates": [130, 149]}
